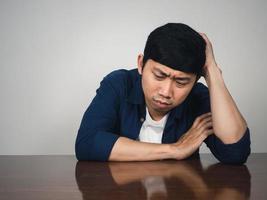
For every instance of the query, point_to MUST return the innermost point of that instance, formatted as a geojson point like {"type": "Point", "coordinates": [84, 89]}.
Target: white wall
{"type": "Point", "coordinates": [54, 53]}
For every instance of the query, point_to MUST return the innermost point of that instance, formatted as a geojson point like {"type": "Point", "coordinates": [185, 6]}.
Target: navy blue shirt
{"type": "Point", "coordinates": [119, 109]}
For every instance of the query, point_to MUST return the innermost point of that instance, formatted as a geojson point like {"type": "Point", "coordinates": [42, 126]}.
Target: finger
{"type": "Point", "coordinates": [201, 117]}
{"type": "Point", "coordinates": [202, 34]}
{"type": "Point", "coordinates": [209, 132]}
{"type": "Point", "coordinates": [203, 128]}
{"type": "Point", "coordinates": [205, 37]}
{"type": "Point", "coordinates": [206, 126]}
{"type": "Point", "coordinates": [205, 134]}
{"type": "Point", "coordinates": [204, 122]}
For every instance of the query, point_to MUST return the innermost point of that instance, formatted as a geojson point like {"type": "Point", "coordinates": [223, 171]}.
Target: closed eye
{"type": "Point", "coordinates": [159, 76]}
{"type": "Point", "coordinates": [181, 84]}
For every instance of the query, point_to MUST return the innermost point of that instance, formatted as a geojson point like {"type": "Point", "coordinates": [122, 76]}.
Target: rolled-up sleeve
{"type": "Point", "coordinates": [96, 135]}
{"type": "Point", "coordinates": [236, 153]}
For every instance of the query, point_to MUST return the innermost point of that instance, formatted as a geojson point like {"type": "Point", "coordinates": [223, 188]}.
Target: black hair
{"type": "Point", "coordinates": [177, 46]}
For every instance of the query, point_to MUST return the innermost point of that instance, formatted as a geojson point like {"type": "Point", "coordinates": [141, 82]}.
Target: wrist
{"type": "Point", "coordinates": [213, 74]}
{"type": "Point", "coordinates": [174, 152]}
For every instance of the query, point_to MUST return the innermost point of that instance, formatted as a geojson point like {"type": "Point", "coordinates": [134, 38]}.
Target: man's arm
{"type": "Point", "coordinates": [130, 150]}
{"type": "Point", "coordinates": [228, 123]}
{"type": "Point", "coordinates": [126, 149]}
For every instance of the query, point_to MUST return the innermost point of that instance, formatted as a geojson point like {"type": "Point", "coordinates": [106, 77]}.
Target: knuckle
{"type": "Point", "coordinates": [197, 119]}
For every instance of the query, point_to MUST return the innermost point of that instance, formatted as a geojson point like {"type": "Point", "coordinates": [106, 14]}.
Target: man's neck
{"type": "Point", "coordinates": [156, 116]}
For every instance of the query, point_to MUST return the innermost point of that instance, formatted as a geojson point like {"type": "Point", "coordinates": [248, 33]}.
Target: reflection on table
{"type": "Point", "coordinates": [162, 180]}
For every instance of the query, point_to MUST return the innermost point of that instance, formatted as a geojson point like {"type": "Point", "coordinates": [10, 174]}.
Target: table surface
{"type": "Point", "coordinates": [62, 177]}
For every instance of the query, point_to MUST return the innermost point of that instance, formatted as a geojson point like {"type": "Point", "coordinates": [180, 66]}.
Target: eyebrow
{"type": "Point", "coordinates": [176, 78]}
{"type": "Point", "coordinates": [182, 79]}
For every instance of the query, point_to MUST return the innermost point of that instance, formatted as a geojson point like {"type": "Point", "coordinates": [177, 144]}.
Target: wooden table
{"type": "Point", "coordinates": [62, 177]}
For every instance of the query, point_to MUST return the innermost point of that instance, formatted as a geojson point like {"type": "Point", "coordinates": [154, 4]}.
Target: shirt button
{"type": "Point", "coordinates": [142, 119]}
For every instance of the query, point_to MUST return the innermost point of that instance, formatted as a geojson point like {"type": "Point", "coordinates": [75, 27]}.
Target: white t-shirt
{"type": "Point", "coordinates": [151, 131]}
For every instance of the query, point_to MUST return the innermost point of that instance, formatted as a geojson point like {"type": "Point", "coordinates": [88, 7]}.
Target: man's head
{"type": "Point", "coordinates": [173, 59]}
{"type": "Point", "coordinates": [177, 46]}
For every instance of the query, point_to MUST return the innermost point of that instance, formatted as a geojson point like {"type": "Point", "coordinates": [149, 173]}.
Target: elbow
{"type": "Point", "coordinates": [83, 149]}
{"type": "Point", "coordinates": [79, 152]}
{"type": "Point", "coordinates": [79, 156]}
{"type": "Point", "coordinates": [96, 146]}
{"type": "Point", "coordinates": [84, 145]}
{"type": "Point", "coordinates": [83, 152]}
{"type": "Point", "coordinates": [236, 157]}
{"type": "Point", "coordinates": [235, 153]}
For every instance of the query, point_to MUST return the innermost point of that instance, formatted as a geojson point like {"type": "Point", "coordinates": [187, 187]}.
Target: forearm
{"type": "Point", "coordinates": [126, 149]}
{"type": "Point", "coordinates": [228, 123]}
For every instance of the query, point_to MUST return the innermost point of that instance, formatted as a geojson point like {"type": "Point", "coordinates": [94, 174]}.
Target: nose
{"type": "Point", "coordinates": [166, 89]}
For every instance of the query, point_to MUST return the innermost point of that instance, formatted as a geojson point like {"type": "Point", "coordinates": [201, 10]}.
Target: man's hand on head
{"type": "Point", "coordinates": [210, 65]}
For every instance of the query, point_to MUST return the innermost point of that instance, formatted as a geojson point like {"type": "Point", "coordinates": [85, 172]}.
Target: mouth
{"type": "Point", "coordinates": [162, 104]}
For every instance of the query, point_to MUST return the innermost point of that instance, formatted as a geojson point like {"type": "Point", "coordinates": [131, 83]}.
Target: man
{"type": "Point", "coordinates": [160, 111]}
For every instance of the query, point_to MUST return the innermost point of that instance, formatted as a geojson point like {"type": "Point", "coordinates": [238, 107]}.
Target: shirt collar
{"type": "Point", "coordinates": [136, 96]}
{"type": "Point", "coordinates": [158, 124]}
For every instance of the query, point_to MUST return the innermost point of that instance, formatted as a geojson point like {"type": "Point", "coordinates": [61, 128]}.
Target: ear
{"type": "Point", "coordinates": [140, 63]}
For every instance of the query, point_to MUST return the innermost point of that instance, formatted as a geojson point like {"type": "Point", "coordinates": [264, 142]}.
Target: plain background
{"type": "Point", "coordinates": [53, 54]}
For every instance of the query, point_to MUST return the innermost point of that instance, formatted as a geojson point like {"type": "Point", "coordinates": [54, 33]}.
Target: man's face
{"type": "Point", "coordinates": [164, 88]}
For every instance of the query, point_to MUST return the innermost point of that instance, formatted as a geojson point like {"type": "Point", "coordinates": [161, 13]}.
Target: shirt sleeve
{"type": "Point", "coordinates": [96, 135]}
{"type": "Point", "coordinates": [236, 153]}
